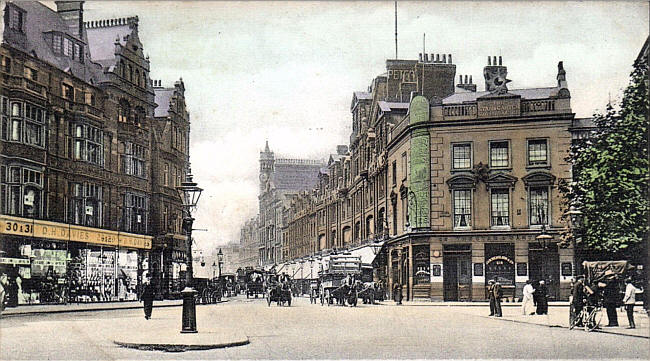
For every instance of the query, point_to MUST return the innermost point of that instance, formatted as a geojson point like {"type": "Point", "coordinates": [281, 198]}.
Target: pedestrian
{"type": "Point", "coordinates": [491, 298]}
{"type": "Point", "coordinates": [611, 300]}
{"type": "Point", "coordinates": [147, 299]}
{"type": "Point", "coordinates": [541, 298]}
{"type": "Point", "coordinates": [527, 298]}
{"type": "Point", "coordinates": [397, 293]}
{"type": "Point", "coordinates": [497, 294]}
{"type": "Point", "coordinates": [4, 283]}
{"type": "Point", "coordinates": [629, 299]}
{"type": "Point", "coordinates": [577, 298]}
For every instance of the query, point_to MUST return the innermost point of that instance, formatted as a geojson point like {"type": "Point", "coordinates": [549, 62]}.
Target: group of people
{"type": "Point", "coordinates": [534, 297]}
{"type": "Point", "coordinates": [588, 295]}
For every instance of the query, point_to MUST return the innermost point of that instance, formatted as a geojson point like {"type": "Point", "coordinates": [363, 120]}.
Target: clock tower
{"type": "Point", "coordinates": [267, 162]}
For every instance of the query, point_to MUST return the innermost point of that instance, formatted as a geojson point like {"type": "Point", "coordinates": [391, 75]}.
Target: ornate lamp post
{"type": "Point", "coordinates": [220, 257]}
{"type": "Point", "coordinates": [190, 194]}
{"type": "Point", "coordinates": [575, 217]}
{"type": "Point", "coordinates": [544, 239]}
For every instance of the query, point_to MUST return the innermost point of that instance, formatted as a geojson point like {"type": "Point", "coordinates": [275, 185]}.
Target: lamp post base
{"type": "Point", "coordinates": [189, 310]}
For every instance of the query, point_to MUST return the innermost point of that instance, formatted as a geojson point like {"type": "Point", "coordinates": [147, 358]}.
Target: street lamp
{"type": "Point", "coordinates": [575, 218]}
{"type": "Point", "coordinates": [214, 268]}
{"type": "Point", "coordinates": [220, 257]}
{"type": "Point", "coordinates": [543, 239]}
{"type": "Point", "coordinates": [189, 193]}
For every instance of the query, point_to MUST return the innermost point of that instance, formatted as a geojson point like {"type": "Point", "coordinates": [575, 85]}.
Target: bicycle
{"type": "Point", "coordinates": [589, 317]}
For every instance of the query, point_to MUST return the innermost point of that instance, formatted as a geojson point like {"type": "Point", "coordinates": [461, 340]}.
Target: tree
{"type": "Point", "coordinates": [610, 174]}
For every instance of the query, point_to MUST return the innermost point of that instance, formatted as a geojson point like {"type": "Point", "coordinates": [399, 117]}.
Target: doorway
{"type": "Point", "coordinates": [544, 265]}
{"type": "Point", "coordinates": [457, 273]}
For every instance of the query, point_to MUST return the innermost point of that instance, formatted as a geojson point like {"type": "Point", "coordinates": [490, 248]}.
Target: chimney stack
{"type": "Point", "coordinates": [72, 13]}
{"type": "Point", "coordinates": [449, 58]}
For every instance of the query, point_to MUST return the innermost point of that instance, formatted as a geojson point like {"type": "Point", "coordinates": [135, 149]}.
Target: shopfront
{"type": "Point", "coordinates": [50, 262]}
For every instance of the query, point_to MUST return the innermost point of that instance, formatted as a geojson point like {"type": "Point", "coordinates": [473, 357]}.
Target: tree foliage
{"type": "Point", "coordinates": [610, 173]}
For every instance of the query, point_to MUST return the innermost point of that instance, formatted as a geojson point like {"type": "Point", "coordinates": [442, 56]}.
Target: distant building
{"type": "Point", "coordinates": [279, 178]}
{"type": "Point", "coordinates": [249, 244]}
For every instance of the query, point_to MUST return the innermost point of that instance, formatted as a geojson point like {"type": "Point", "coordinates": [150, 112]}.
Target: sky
{"type": "Point", "coordinates": [285, 71]}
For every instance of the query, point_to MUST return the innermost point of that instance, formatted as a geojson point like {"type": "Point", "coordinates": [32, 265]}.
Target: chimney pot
{"type": "Point", "coordinates": [437, 58]}
{"type": "Point", "coordinates": [460, 79]}
{"type": "Point", "coordinates": [420, 57]}
{"type": "Point", "coordinates": [494, 60]}
{"type": "Point", "coordinates": [466, 80]}
{"type": "Point", "coordinates": [489, 62]}
{"type": "Point", "coordinates": [444, 58]}
{"type": "Point", "coordinates": [432, 57]}
{"type": "Point", "coordinates": [470, 79]}
{"type": "Point", "coordinates": [449, 57]}
{"type": "Point", "coordinates": [426, 58]}
{"type": "Point", "coordinates": [500, 63]}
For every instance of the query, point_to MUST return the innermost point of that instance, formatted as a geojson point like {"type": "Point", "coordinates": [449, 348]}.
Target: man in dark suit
{"type": "Point", "coordinates": [147, 299]}
{"type": "Point", "coordinates": [498, 293]}
{"type": "Point", "coordinates": [577, 296]}
{"type": "Point", "coordinates": [491, 298]}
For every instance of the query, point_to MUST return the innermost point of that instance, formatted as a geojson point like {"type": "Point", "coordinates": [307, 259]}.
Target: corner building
{"type": "Point", "coordinates": [453, 184]}
{"type": "Point", "coordinates": [478, 184]}
{"type": "Point", "coordinates": [75, 155]}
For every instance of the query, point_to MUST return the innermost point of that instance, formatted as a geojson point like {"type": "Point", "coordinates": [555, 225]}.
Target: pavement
{"type": "Point", "coordinates": [83, 307]}
{"type": "Point", "coordinates": [558, 316]}
{"type": "Point", "coordinates": [163, 335]}
{"type": "Point", "coordinates": [304, 331]}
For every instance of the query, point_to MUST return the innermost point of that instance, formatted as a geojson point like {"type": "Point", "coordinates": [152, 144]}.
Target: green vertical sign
{"type": "Point", "coordinates": [419, 196]}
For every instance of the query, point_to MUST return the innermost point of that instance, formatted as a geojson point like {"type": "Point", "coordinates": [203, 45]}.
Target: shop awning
{"type": "Point", "coordinates": [367, 253]}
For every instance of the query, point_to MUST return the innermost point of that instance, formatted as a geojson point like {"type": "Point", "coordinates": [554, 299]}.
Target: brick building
{"type": "Point", "coordinates": [453, 185]}
{"type": "Point", "coordinates": [279, 179]}
{"type": "Point", "coordinates": [78, 155]}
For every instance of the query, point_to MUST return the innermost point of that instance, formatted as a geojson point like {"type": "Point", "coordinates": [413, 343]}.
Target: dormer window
{"type": "Point", "coordinates": [62, 45]}
{"type": "Point", "coordinates": [15, 18]}
{"type": "Point", "coordinates": [67, 47]}
{"type": "Point", "coordinates": [56, 43]}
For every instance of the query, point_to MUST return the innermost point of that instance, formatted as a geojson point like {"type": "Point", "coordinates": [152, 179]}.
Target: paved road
{"type": "Point", "coordinates": [306, 331]}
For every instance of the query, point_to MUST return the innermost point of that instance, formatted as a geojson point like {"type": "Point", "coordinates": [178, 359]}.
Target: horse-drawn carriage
{"type": "Point", "coordinates": [254, 282]}
{"type": "Point", "coordinates": [339, 280]}
{"type": "Point", "coordinates": [208, 290]}
{"type": "Point", "coordinates": [229, 284]}
{"type": "Point", "coordinates": [278, 289]}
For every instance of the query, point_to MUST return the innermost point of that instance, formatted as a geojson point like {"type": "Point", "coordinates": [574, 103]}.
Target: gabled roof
{"type": "Point", "coordinates": [388, 106]}
{"type": "Point", "coordinates": [532, 93]}
{"type": "Point", "coordinates": [102, 40]}
{"type": "Point", "coordinates": [39, 20]}
{"type": "Point", "coordinates": [363, 95]}
{"type": "Point", "coordinates": [295, 177]}
{"type": "Point", "coordinates": [162, 98]}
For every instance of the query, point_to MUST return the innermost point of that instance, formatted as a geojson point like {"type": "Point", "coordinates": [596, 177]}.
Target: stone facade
{"type": "Point", "coordinates": [82, 144]}
{"type": "Point", "coordinates": [454, 184]}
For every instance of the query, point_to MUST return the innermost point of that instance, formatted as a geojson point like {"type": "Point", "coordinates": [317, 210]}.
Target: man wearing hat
{"type": "Point", "coordinates": [490, 293]}
{"type": "Point", "coordinates": [611, 299]}
{"type": "Point", "coordinates": [577, 295]}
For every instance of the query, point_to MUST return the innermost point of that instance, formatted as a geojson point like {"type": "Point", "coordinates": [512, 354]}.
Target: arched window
{"type": "Point", "coordinates": [122, 69]}
{"type": "Point", "coordinates": [137, 77]}
{"type": "Point", "coordinates": [130, 73]}
{"type": "Point", "coordinates": [123, 111]}
{"type": "Point", "coordinates": [140, 115]}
